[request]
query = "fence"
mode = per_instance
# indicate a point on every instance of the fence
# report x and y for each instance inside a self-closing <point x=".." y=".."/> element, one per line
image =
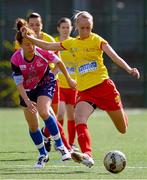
<point x="123" y="23"/>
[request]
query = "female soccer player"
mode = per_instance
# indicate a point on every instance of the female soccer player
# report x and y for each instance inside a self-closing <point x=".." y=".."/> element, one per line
<point x="35" y="83"/>
<point x="67" y="94"/>
<point x="95" y="88"/>
<point x="34" y="21"/>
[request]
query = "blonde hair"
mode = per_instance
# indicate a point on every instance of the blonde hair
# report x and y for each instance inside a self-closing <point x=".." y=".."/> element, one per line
<point x="83" y="14"/>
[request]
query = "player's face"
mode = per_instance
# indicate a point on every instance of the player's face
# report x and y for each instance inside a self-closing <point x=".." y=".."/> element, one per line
<point x="35" y="24"/>
<point x="65" y="29"/>
<point x="28" y="47"/>
<point x="84" y="27"/>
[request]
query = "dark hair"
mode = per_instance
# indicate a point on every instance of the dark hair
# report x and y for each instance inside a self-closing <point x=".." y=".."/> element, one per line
<point x="21" y="23"/>
<point x="34" y="15"/>
<point x="63" y="20"/>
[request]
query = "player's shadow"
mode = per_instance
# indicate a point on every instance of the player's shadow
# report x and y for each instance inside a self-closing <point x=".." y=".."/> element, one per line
<point x="18" y="152"/>
<point x="53" y="172"/>
<point x="17" y="159"/>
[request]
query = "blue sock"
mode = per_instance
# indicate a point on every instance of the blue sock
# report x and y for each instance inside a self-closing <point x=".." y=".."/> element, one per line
<point x="53" y="129"/>
<point x="38" y="141"/>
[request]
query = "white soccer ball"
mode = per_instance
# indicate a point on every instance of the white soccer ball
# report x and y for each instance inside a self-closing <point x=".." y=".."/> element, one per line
<point x="115" y="161"/>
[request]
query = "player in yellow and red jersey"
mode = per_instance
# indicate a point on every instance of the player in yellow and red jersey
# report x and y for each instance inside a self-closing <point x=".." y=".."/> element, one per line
<point x="67" y="95"/>
<point x="95" y="88"/>
<point x="34" y="21"/>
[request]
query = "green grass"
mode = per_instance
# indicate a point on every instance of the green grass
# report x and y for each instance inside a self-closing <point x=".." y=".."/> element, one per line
<point x="18" y="154"/>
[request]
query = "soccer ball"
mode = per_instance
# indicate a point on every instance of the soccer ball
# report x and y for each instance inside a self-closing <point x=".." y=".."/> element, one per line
<point x="115" y="161"/>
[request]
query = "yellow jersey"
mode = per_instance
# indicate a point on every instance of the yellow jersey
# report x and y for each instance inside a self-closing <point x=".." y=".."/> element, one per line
<point x="88" y="58"/>
<point x="68" y="60"/>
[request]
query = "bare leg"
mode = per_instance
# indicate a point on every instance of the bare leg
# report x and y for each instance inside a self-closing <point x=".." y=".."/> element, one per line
<point x="32" y="119"/>
<point x="119" y="119"/>
<point x="82" y="112"/>
<point x="61" y="112"/>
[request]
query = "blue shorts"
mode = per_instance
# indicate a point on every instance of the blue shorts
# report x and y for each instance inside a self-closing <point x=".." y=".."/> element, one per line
<point x="44" y="88"/>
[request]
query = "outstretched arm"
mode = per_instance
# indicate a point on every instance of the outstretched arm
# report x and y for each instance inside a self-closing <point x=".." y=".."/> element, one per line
<point x="119" y="61"/>
<point x="54" y="46"/>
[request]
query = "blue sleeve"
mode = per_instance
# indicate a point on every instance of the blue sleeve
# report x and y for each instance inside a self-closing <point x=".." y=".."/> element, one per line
<point x="16" y="74"/>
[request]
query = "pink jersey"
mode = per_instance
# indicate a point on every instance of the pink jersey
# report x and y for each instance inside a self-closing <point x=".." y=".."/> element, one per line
<point x="34" y="70"/>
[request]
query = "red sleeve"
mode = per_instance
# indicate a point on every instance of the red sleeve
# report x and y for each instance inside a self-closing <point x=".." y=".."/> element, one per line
<point x="62" y="46"/>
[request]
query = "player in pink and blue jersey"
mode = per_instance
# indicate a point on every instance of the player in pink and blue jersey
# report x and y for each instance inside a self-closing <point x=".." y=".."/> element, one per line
<point x="35" y="83"/>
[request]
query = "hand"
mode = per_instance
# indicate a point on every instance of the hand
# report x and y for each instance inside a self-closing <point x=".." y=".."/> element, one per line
<point x="72" y="83"/>
<point x="134" y="72"/>
<point x="31" y="106"/>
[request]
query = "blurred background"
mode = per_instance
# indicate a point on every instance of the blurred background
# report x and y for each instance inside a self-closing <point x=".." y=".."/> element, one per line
<point x="123" y="23"/>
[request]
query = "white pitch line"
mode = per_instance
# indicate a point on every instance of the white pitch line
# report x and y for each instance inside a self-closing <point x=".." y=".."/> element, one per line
<point x="63" y="166"/>
<point x="53" y="166"/>
<point x="140" y="167"/>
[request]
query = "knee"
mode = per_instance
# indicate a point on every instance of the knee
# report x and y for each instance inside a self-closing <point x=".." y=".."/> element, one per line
<point x="123" y="130"/>
<point x="80" y="119"/>
<point x="44" y="114"/>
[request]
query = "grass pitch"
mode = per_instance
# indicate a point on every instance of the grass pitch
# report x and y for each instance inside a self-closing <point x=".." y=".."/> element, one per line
<point x="18" y="154"/>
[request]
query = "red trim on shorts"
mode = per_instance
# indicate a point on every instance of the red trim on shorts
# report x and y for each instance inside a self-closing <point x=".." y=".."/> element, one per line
<point x="62" y="46"/>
